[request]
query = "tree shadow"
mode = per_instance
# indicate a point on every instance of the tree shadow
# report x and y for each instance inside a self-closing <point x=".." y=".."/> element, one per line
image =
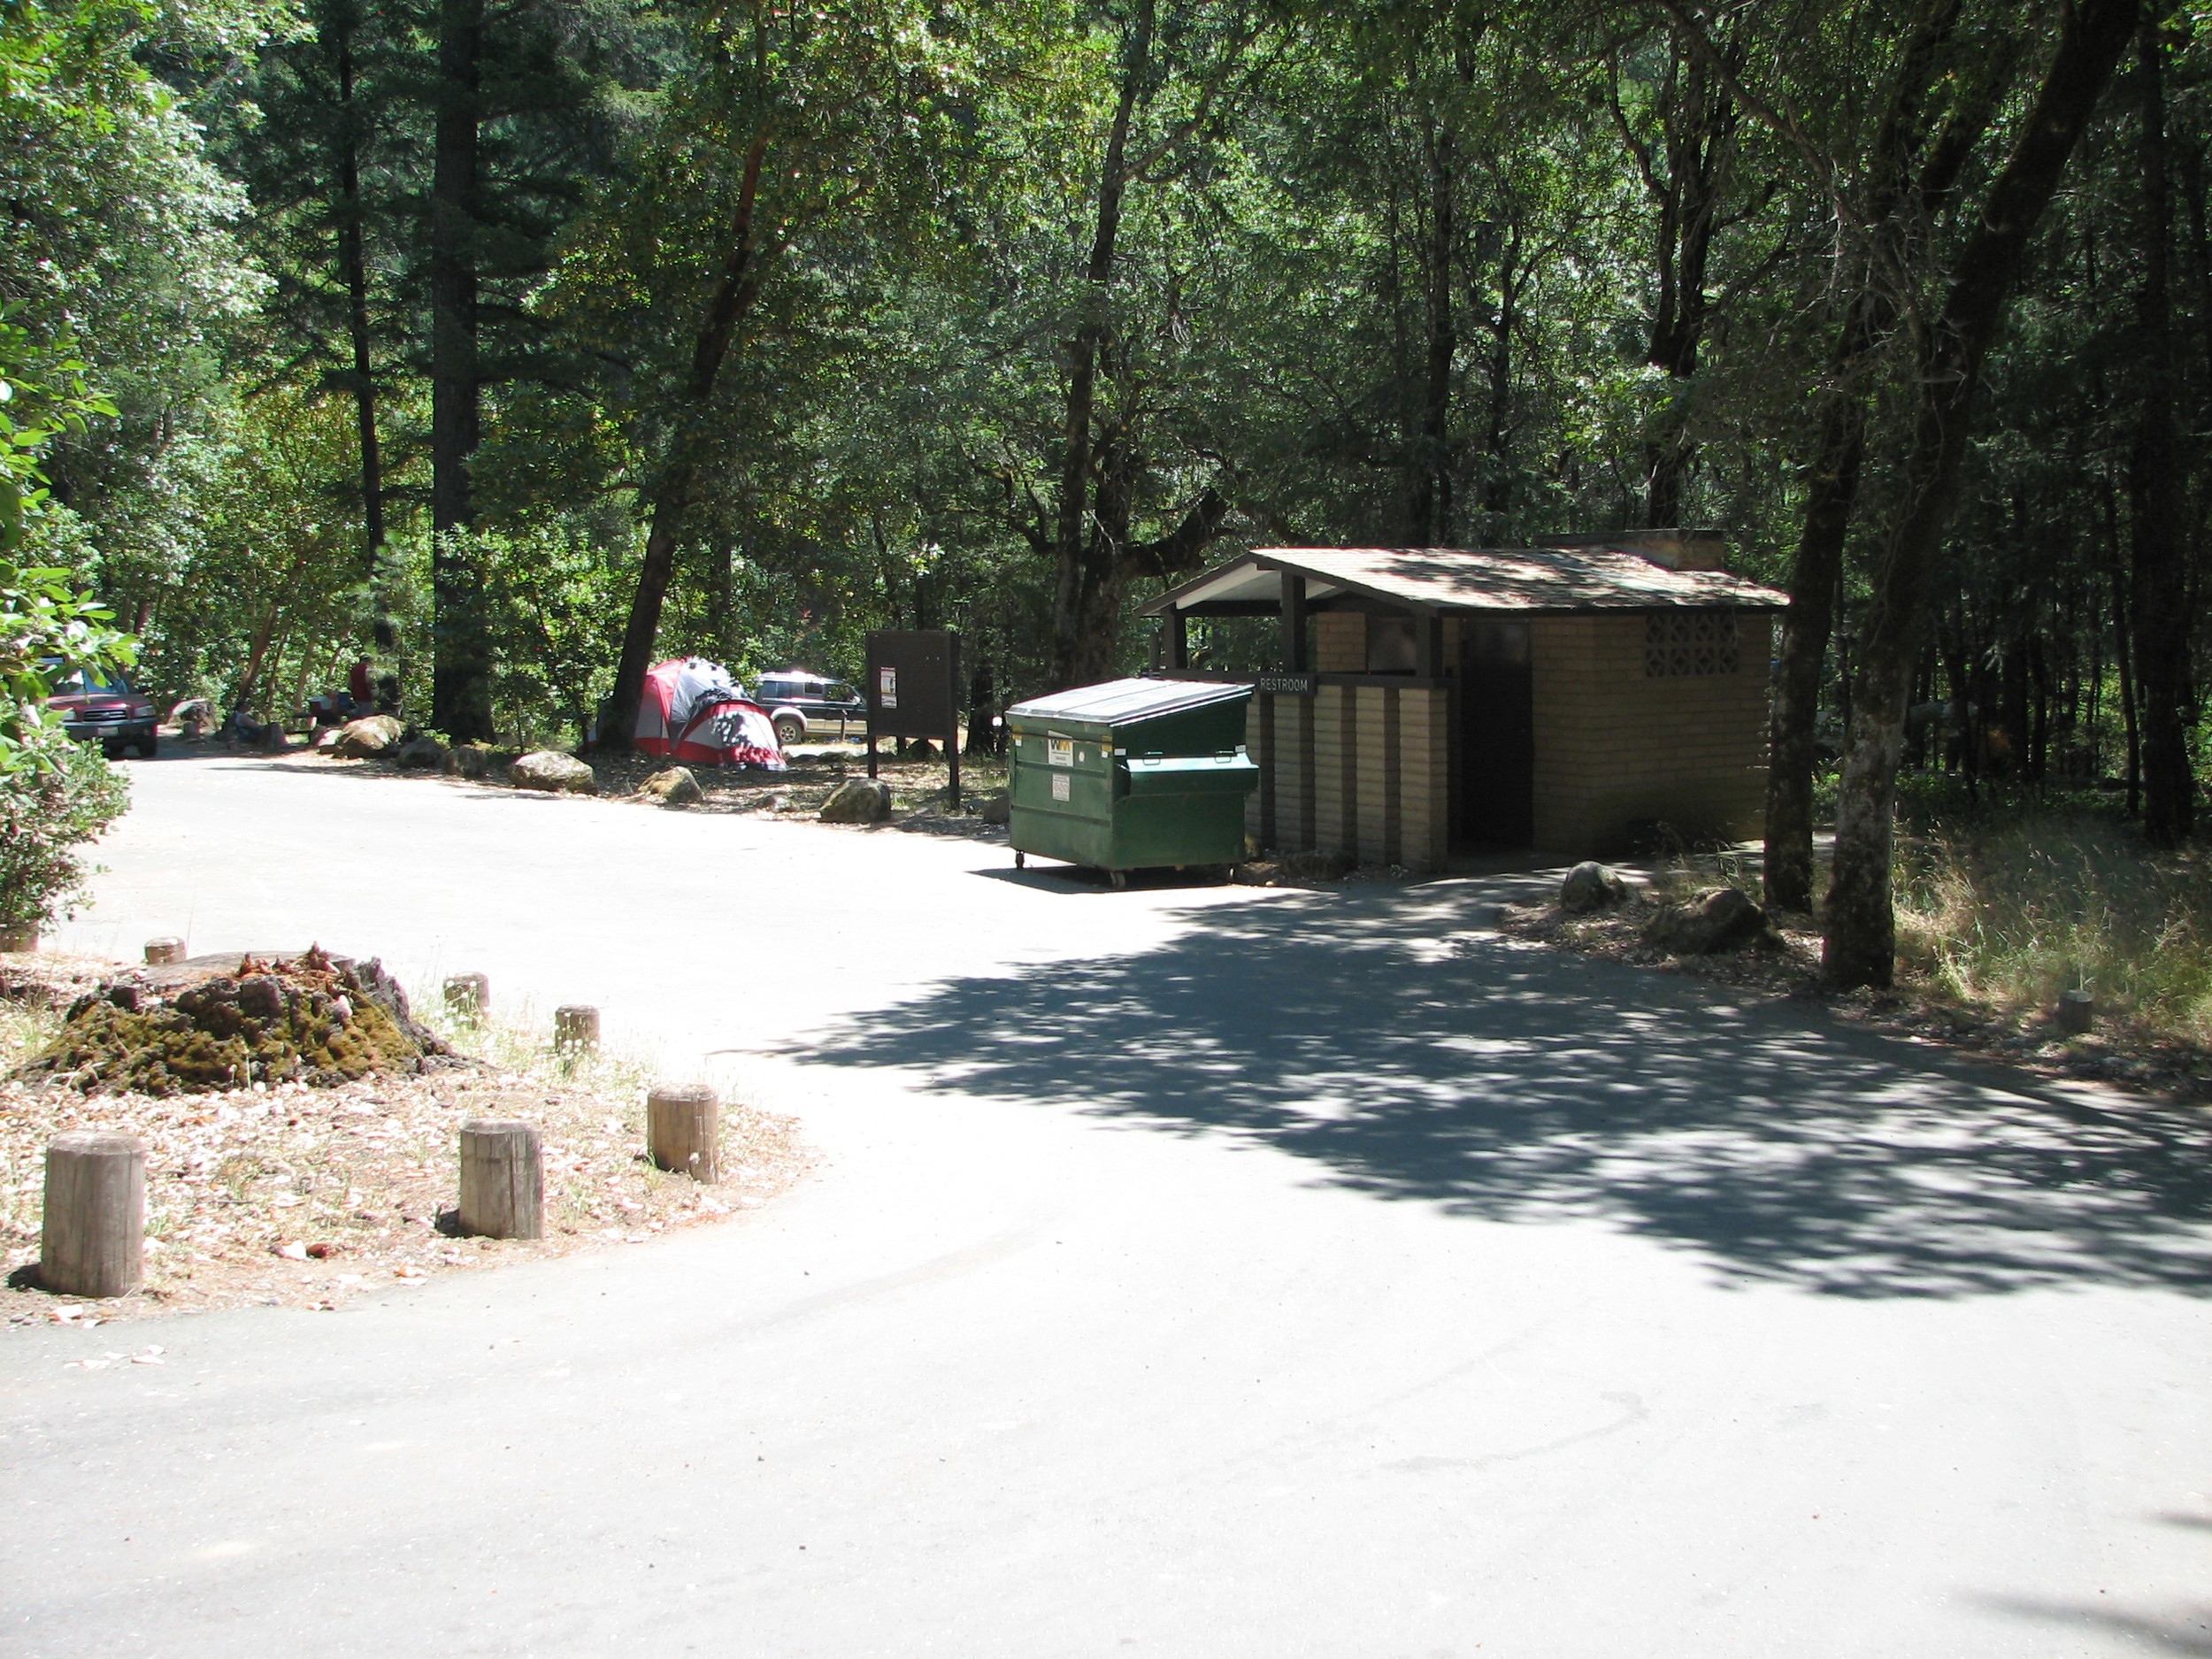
<point x="2189" y="1633"/>
<point x="1404" y="1056"/>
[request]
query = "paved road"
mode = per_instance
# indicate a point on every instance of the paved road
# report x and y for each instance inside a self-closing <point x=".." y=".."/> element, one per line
<point x="1205" y="1273"/>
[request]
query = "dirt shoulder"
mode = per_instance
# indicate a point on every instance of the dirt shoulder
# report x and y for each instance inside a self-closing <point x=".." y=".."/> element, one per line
<point x="918" y="786"/>
<point x="289" y="1195"/>
<point x="2117" y="1052"/>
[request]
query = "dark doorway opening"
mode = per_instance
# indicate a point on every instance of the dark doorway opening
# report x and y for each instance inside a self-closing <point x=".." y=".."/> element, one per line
<point x="1495" y="804"/>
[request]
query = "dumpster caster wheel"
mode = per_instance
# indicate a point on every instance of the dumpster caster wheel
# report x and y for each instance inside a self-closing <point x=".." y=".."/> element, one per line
<point x="1120" y="879"/>
<point x="1021" y="861"/>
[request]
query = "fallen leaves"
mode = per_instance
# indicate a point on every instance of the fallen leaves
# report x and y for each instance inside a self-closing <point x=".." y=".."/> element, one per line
<point x="253" y="1195"/>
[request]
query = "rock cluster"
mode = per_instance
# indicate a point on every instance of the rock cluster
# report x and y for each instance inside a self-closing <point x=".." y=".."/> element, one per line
<point x="224" y="1022"/>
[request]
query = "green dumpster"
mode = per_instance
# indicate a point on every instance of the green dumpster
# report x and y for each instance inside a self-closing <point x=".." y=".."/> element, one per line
<point x="1129" y="775"/>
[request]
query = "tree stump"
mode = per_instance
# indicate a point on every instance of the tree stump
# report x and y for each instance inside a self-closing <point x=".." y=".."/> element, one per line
<point x="576" y="1029"/>
<point x="164" y="950"/>
<point x="682" y="1131"/>
<point x="94" y="1239"/>
<point x="467" y="996"/>
<point x="18" y="936"/>
<point x="2076" y="1013"/>
<point x="502" y="1179"/>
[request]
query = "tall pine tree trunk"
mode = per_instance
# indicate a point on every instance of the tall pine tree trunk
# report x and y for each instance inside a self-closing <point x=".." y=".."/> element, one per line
<point x="461" y="677"/>
<point x="1701" y="120"/>
<point x="1831" y="483"/>
<point x="2160" y="575"/>
<point x="1072" y="572"/>
<point x="340" y="23"/>
<point x="1862" y="937"/>
<point x="1429" y="448"/>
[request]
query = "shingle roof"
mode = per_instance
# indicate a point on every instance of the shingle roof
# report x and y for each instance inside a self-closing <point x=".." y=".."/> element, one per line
<point x="1475" y="579"/>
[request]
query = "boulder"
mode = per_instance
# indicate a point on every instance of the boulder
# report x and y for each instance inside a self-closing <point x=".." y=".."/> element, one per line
<point x="374" y="737"/>
<point x="425" y="751"/>
<point x="858" y="800"/>
<point x="473" y="760"/>
<point x="325" y="739"/>
<point x="550" y="769"/>
<point x="1591" y="886"/>
<point x="675" y="787"/>
<point x="998" y="809"/>
<point x="1717" y="919"/>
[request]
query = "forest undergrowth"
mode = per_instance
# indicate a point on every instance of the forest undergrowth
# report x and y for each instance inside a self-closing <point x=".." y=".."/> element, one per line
<point x="2005" y="897"/>
<point x="2009" y="900"/>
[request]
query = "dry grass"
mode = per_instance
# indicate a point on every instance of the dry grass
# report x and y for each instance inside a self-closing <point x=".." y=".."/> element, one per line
<point x="1995" y="916"/>
<point x="2009" y="914"/>
<point x="289" y="1194"/>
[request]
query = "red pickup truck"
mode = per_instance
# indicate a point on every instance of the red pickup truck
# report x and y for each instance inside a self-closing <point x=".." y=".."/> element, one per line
<point x="104" y="707"/>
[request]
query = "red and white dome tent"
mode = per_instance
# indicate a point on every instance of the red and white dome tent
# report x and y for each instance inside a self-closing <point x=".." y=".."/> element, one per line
<point x="693" y="712"/>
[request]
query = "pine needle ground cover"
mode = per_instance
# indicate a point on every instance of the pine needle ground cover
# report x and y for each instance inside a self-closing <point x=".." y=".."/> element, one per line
<point x="285" y="1193"/>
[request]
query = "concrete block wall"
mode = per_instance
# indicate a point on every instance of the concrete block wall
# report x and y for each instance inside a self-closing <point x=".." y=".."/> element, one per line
<point x="1616" y="744"/>
<point x="1360" y="770"/>
<point x="1340" y="642"/>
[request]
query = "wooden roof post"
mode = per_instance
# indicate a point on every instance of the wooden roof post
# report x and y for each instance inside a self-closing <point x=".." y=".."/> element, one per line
<point x="1428" y="635"/>
<point x="1178" y="640"/>
<point x="1293" y="623"/>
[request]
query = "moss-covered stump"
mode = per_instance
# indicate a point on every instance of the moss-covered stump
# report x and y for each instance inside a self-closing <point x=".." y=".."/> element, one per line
<point x="227" y="1021"/>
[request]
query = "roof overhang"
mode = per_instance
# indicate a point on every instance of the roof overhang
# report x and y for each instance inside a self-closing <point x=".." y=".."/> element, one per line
<point x="1252" y="585"/>
<point x="1434" y="582"/>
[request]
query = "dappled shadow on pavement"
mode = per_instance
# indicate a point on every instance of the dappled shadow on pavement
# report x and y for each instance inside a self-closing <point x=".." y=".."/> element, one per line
<point x="1405" y="1055"/>
<point x="2189" y="1633"/>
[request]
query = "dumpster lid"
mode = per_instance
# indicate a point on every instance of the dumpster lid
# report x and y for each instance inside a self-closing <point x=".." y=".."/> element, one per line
<point x="1118" y="702"/>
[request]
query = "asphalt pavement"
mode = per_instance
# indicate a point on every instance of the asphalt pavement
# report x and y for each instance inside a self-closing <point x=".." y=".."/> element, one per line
<point x="1197" y="1271"/>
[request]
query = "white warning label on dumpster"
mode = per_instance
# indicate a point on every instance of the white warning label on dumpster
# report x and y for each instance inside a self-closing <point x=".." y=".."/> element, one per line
<point x="1060" y="752"/>
<point x="1059" y="785"/>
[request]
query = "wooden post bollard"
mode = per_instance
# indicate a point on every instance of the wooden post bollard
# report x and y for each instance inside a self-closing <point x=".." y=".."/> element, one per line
<point x="467" y="997"/>
<point x="93" y="1243"/>
<point x="683" y="1129"/>
<point x="164" y="949"/>
<point x="502" y="1179"/>
<point x="576" y="1029"/>
<point x="2076" y="1013"/>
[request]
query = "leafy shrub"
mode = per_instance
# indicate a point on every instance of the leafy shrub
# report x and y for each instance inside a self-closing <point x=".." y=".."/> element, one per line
<point x="48" y="810"/>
